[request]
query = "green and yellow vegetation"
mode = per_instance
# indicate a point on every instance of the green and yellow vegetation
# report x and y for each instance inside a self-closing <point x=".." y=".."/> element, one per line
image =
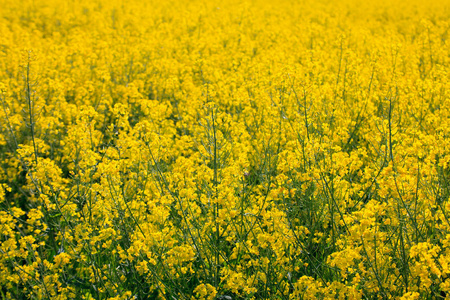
<point x="224" y="149"/>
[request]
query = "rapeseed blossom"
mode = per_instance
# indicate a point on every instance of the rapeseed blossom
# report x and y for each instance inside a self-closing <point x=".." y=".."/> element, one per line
<point x="224" y="149"/>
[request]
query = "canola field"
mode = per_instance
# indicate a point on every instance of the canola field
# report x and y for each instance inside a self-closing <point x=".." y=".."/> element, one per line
<point x="225" y="149"/>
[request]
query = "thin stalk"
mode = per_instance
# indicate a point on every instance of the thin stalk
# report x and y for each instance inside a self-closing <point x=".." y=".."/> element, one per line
<point x="31" y="106"/>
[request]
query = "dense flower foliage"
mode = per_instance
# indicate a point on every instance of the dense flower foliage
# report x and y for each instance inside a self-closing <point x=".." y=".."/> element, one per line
<point x="224" y="149"/>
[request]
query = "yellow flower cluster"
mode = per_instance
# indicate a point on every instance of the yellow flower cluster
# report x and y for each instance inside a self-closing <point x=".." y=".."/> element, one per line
<point x="224" y="149"/>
